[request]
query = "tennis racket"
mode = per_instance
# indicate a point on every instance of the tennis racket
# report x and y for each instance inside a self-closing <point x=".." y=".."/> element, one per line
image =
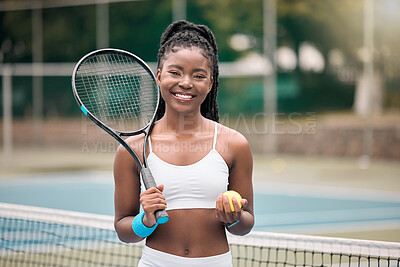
<point x="118" y="92"/>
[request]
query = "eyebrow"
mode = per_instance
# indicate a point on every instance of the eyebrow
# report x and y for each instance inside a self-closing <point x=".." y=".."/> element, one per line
<point x="181" y="68"/>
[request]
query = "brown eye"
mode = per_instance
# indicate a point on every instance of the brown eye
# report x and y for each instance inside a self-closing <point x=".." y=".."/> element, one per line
<point x="199" y="76"/>
<point x="175" y="73"/>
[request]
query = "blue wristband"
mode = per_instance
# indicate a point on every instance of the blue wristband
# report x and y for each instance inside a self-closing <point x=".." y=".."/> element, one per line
<point x="232" y="224"/>
<point x="139" y="228"/>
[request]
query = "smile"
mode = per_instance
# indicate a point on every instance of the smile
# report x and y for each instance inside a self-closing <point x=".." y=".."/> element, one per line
<point x="183" y="96"/>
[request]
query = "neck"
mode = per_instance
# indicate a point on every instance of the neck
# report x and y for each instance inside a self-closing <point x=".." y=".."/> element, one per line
<point x="183" y="123"/>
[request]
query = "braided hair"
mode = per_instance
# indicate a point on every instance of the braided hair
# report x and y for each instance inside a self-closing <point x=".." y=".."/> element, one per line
<point x="184" y="34"/>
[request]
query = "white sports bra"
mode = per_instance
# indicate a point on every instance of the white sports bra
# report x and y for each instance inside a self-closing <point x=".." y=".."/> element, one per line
<point x="194" y="186"/>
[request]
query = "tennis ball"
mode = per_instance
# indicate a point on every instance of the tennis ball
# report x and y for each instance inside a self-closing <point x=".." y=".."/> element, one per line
<point x="235" y="194"/>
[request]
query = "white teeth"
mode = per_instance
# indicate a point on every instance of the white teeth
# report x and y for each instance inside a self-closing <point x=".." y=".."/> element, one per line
<point x="184" y="96"/>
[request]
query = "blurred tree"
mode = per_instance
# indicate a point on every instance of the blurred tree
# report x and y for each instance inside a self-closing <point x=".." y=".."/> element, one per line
<point x="229" y="17"/>
<point x="15" y="36"/>
<point x="137" y="26"/>
<point x="334" y="27"/>
<point x="68" y="33"/>
<point x="298" y="22"/>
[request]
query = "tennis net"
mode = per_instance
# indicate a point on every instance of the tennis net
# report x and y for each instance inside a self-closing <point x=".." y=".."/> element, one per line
<point x="32" y="236"/>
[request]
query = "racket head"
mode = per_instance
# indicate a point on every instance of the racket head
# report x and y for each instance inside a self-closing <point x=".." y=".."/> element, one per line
<point x="116" y="89"/>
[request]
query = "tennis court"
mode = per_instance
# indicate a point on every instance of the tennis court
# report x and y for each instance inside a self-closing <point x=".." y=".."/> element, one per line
<point x="46" y="237"/>
<point x="310" y="204"/>
<point x="278" y="207"/>
<point x="33" y="236"/>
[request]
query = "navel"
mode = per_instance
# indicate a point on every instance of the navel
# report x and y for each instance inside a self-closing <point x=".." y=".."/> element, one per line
<point x="187" y="251"/>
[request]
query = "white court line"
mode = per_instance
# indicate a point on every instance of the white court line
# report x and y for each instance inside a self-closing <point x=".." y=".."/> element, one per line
<point x="328" y="221"/>
<point x="97" y="177"/>
<point x="329" y="216"/>
<point x="332" y="228"/>
<point x="324" y="191"/>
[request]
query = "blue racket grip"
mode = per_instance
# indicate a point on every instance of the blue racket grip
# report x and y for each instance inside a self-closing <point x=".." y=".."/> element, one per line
<point x="148" y="180"/>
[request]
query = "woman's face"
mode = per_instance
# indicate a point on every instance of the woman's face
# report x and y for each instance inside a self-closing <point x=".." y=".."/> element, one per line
<point x="185" y="79"/>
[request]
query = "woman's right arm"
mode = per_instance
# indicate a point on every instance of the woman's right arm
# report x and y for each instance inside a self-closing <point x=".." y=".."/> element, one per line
<point x="126" y="195"/>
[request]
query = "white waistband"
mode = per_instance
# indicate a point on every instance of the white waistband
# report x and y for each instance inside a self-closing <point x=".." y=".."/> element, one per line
<point x="155" y="258"/>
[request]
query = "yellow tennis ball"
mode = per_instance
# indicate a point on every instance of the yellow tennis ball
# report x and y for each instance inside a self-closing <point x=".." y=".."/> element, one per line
<point x="235" y="194"/>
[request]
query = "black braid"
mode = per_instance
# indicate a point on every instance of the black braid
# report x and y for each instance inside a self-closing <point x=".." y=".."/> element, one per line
<point x="185" y="34"/>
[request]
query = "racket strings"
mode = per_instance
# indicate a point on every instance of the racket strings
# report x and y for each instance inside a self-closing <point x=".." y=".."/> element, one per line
<point x="117" y="90"/>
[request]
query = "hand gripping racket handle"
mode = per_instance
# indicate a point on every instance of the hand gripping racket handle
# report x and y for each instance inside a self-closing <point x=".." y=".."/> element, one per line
<point x="148" y="180"/>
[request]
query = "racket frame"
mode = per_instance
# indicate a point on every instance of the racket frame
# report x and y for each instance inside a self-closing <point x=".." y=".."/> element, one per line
<point x="161" y="215"/>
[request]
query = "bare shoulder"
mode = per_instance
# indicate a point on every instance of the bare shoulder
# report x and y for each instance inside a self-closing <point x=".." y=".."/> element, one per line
<point x="136" y="143"/>
<point x="123" y="159"/>
<point x="232" y="145"/>
<point x="233" y="138"/>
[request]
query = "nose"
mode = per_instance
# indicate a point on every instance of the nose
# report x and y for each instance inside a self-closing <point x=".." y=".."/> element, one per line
<point x="186" y="82"/>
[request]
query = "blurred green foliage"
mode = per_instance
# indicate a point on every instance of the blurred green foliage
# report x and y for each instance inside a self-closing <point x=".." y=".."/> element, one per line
<point x="69" y="33"/>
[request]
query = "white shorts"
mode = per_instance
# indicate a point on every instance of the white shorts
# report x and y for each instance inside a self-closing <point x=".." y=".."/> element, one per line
<point x="155" y="258"/>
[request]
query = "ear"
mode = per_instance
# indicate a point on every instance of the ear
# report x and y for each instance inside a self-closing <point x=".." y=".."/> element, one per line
<point x="158" y="77"/>
<point x="211" y="84"/>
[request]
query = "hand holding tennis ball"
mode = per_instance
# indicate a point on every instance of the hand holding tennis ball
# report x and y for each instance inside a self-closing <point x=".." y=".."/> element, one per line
<point x="235" y="194"/>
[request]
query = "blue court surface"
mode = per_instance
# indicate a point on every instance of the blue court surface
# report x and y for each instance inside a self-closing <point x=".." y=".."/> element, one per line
<point x="278" y="207"/>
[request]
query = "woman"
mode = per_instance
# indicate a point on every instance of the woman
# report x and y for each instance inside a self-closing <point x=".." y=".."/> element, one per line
<point x="193" y="160"/>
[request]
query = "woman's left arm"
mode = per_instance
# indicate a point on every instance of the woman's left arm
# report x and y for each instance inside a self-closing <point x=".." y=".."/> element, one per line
<point x="241" y="221"/>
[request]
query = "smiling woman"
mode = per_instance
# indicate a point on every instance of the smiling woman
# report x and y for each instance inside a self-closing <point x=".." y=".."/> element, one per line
<point x="185" y="79"/>
<point x="191" y="182"/>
